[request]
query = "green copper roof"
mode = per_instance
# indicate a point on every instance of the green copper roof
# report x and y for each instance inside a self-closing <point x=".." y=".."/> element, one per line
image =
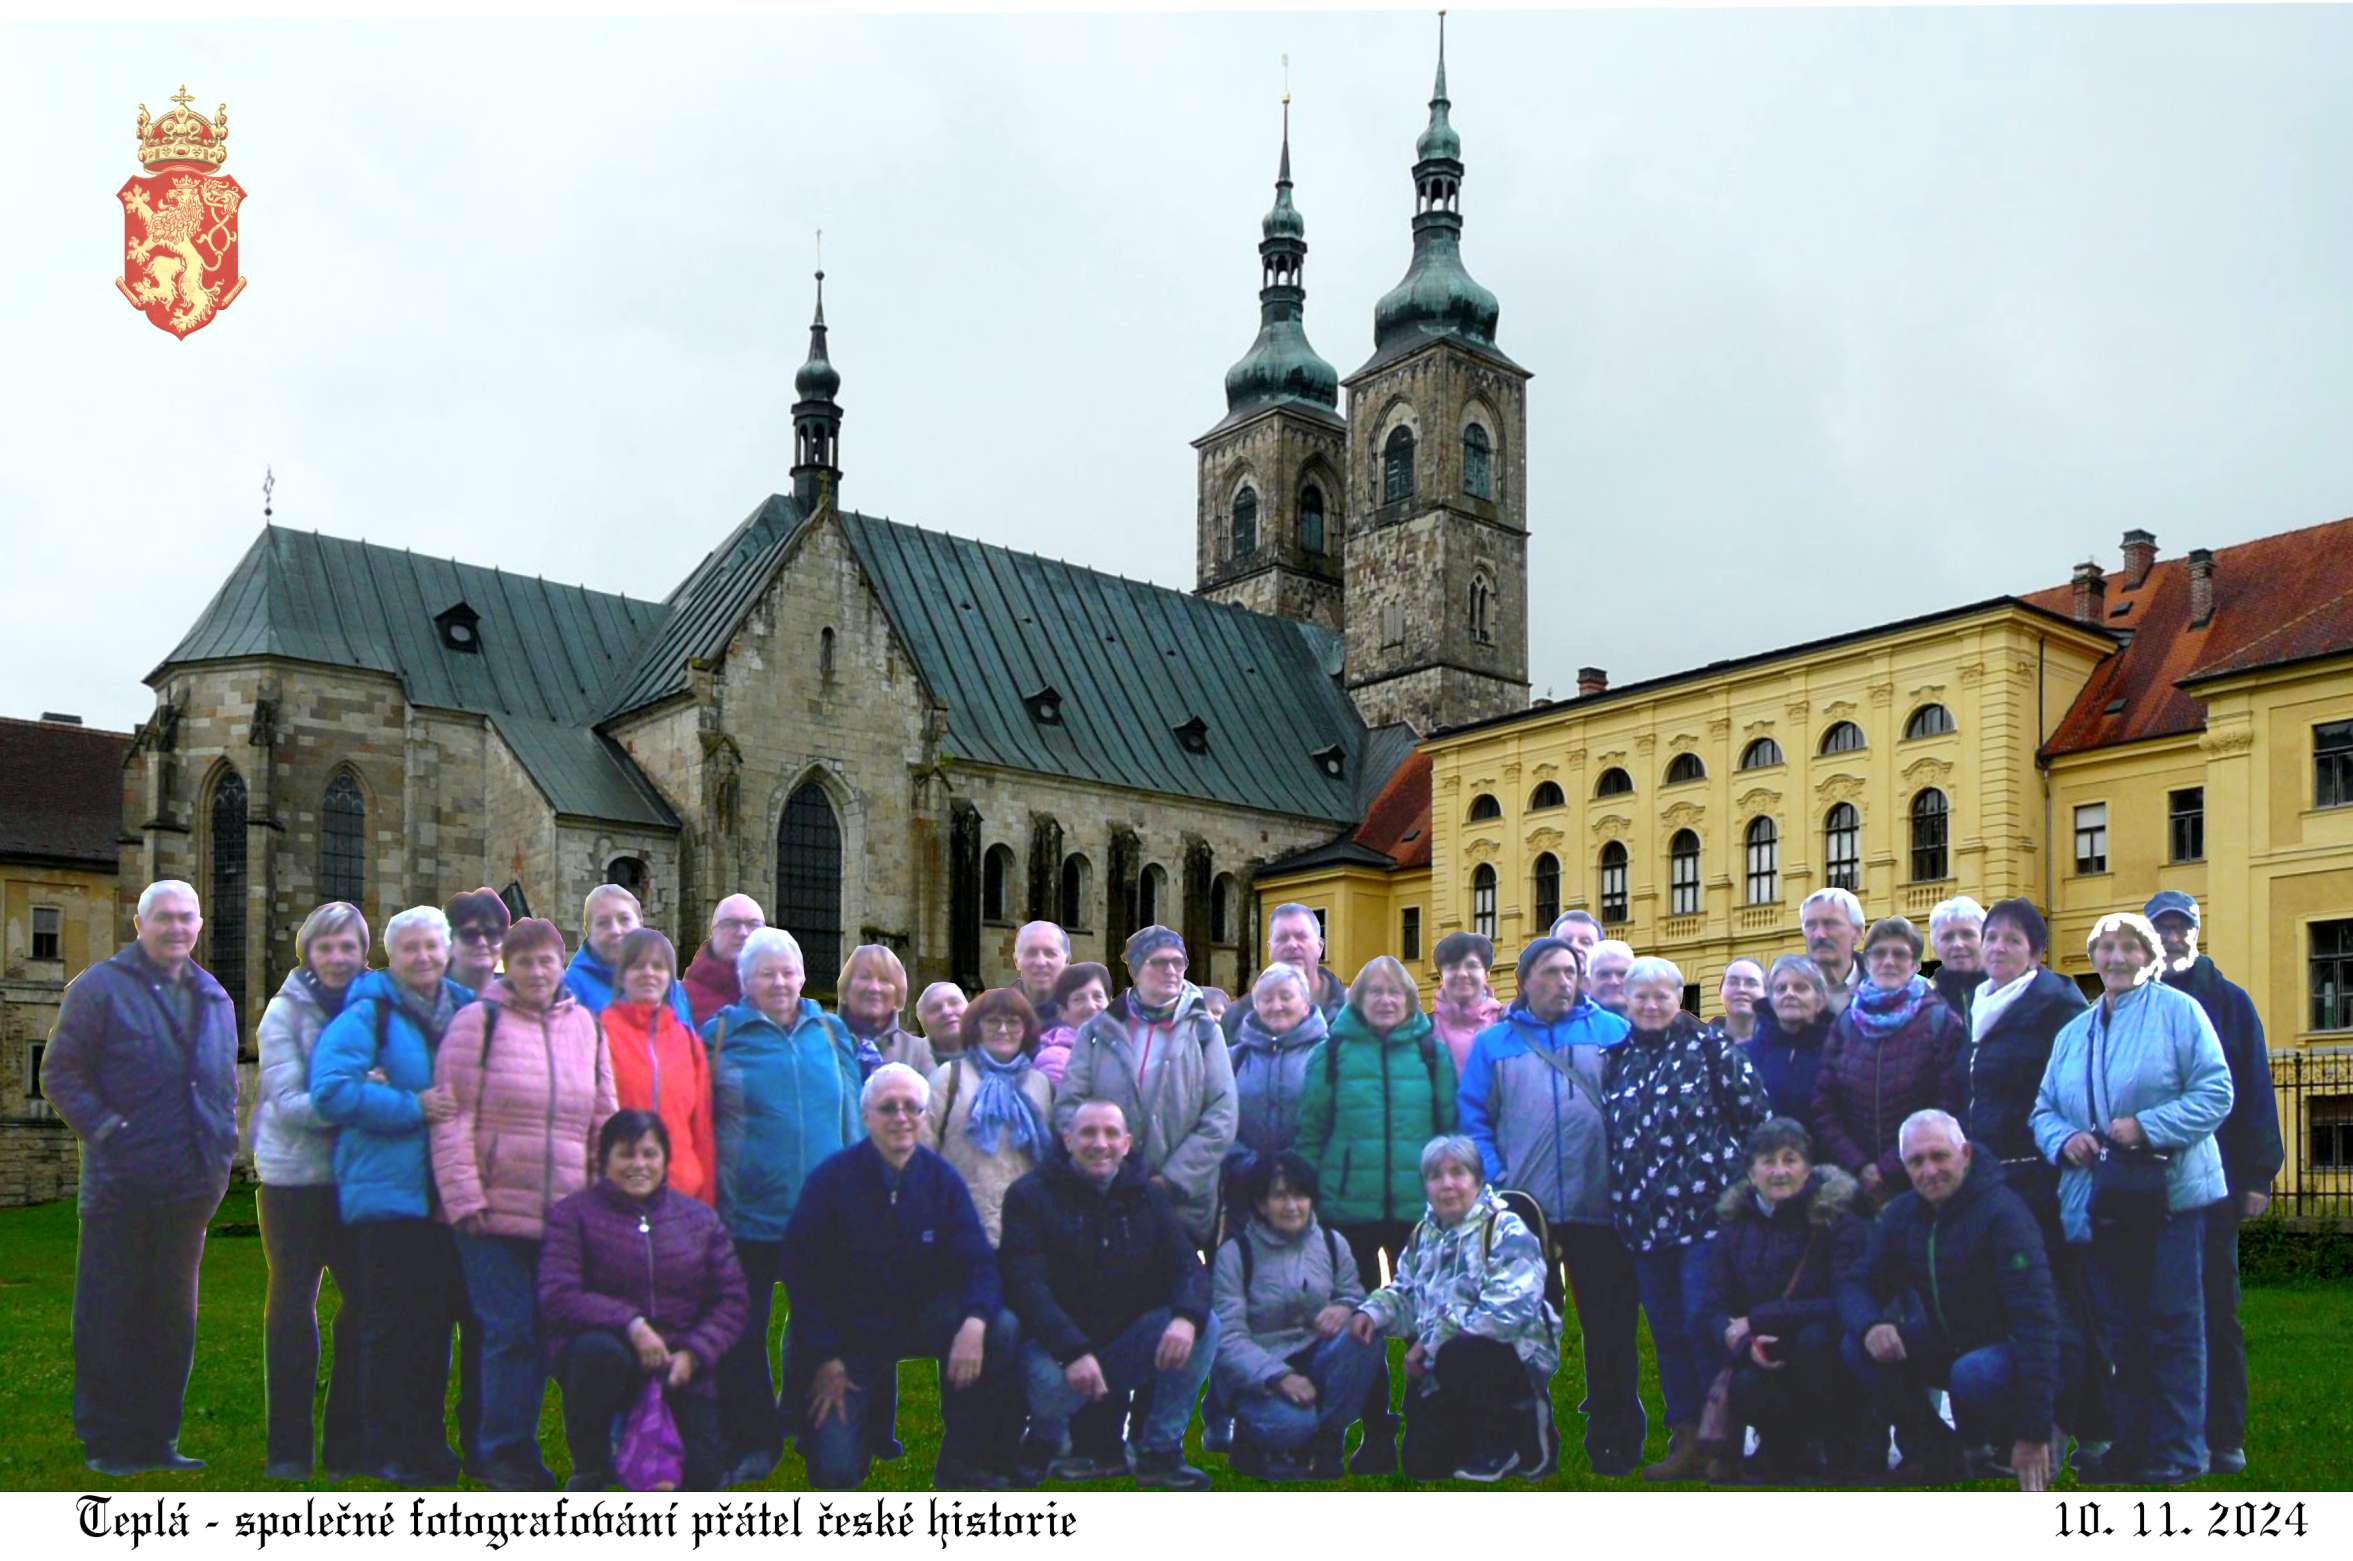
<point x="544" y="653"/>
<point x="1281" y="369"/>
<point x="818" y="379"/>
<point x="701" y="615"/>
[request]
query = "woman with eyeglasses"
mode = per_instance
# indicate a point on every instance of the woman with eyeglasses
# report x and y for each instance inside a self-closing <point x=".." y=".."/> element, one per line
<point x="1886" y="1058"/>
<point x="990" y="1106"/>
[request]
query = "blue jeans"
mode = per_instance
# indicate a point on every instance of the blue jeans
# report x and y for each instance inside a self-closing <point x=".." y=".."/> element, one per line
<point x="2150" y="1295"/>
<point x="502" y="1284"/>
<point x="1127" y="1363"/>
<point x="1659" y="1276"/>
<point x="1981" y="1383"/>
<point x="982" y="1421"/>
<point x="1343" y="1372"/>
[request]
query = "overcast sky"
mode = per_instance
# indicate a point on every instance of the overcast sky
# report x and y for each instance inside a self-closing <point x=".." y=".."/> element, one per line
<point x="1834" y="316"/>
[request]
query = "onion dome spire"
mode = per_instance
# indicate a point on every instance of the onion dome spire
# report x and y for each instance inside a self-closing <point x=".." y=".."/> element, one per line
<point x="1437" y="296"/>
<point x="817" y="420"/>
<point x="1280" y="366"/>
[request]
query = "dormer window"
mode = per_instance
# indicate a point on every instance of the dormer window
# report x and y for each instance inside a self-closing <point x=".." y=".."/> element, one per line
<point x="1193" y="736"/>
<point x="1045" y="705"/>
<point x="461" y="629"/>
<point x="1332" y="760"/>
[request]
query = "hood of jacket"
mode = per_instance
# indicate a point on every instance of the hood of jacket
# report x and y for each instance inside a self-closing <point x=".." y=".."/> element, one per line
<point x="742" y="1017"/>
<point x="1773" y="1030"/>
<point x="1556" y="1032"/>
<point x="501" y="993"/>
<point x="1251" y="1036"/>
<point x="1127" y="1183"/>
<point x="379" y="985"/>
<point x="1828" y="1193"/>
<point x="1682" y="1027"/>
<point x="1349" y="1025"/>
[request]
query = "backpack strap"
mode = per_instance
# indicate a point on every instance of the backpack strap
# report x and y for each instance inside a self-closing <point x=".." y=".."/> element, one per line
<point x="955" y="1080"/>
<point x="1241" y="1245"/>
<point x="1428" y="1046"/>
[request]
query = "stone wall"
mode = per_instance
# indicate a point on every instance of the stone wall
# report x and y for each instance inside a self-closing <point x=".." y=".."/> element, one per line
<point x="1278" y="455"/>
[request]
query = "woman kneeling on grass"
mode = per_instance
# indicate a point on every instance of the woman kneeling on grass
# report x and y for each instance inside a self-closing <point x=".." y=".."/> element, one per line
<point x="638" y="1279"/>
<point x="1469" y="1292"/>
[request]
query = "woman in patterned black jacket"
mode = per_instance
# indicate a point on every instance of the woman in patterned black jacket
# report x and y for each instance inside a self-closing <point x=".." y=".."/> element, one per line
<point x="1680" y="1102"/>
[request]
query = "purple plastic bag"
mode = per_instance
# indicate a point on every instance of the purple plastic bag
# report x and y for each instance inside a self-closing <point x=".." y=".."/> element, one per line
<point x="652" y="1458"/>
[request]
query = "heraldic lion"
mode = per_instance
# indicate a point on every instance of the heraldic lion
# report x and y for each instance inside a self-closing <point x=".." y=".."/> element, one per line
<point x="194" y="214"/>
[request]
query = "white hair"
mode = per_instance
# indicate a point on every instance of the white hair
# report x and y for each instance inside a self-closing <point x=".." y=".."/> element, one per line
<point x="1452" y="1149"/>
<point x="1942" y="1121"/>
<point x="1655" y="967"/>
<point x="2140" y="927"/>
<point x="1279" y="972"/>
<point x="893" y="1073"/>
<point x="1288" y="911"/>
<point x="1842" y="898"/>
<point x="1060" y="937"/>
<point x="1959" y="908"/>
<point x="1615" y="946"/>
<point x="767" y="943"/>
<point x="425" y="918"/>
<point x="163" y="886"/>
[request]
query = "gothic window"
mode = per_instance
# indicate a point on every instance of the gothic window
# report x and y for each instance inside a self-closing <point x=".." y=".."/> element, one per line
<point x="224" y="904"/>
<point x="996" y="884"/>
<point x="1683" y="874"/>
<point x="1224" y="924"/>
<point x="1762" y="754"/>
<point x="1478" y="463"/>
<point x="1929" y="721"/>
<point x="1844" y="737"/>
<point x="825" y="653"/>
<point x="1685" y="767"/>
<point x="1071" y="904"/>
<point x="1764" y="862"/>
<point x="1547" y="894"/>
<point x="1245" y="522"/>
<point x="1397" y="466"/>
<point x="1483" y="900"/>
<point x="1152" y="896"/>
<point x="1842" y="848"/>
<point x="1392" y="624"/>
<point x="1484" y="805"/>
<point x="1930" y="819"/>
<point x="1613" y="883"/>
<point x="1546" y="795"/>
<point x="1311" y="518"/>
<point x="1482" y="594"/>
<point x="809" y="879"/>
<point x="1614" y="782"/>
<point x="343" y="833"/>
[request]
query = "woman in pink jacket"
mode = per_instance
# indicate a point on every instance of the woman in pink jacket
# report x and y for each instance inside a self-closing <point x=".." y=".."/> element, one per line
<point x="532" y="1084"/>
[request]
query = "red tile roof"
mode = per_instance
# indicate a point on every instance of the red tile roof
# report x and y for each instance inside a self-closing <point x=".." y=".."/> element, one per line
<point x="1398" y="823"/>
<point x="61" y="792"/>
<point x="2277" y="598"/>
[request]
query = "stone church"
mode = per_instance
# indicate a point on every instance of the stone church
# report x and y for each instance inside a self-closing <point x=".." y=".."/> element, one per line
<point x="884" y="733"/>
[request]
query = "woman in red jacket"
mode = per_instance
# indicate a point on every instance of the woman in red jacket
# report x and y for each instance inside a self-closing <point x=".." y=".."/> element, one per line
<point x="659" y="1064"/>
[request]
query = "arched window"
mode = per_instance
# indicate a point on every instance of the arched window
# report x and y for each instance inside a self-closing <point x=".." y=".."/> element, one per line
<point x="1482" y="594"/>
<point x="630" y="873"/>
<point x="809" y="879"/>
<point x="1761" y="754"/>
<point x="1478" y="463"/>
<point x="1397" y="466"/>
<point x="825" y="653"/>
<point x="1223" y="898"/>
<point x="343" y="837"/>
<point x="1844" y="737"/>
<point x="1485" y="806"/>
<point x="1245" y="522"/>
<point x="1614" y="782"/>
<point x="1685" y="767"/>
<point x="1764" y="862"/>
<point x="224" y="900"/>
<point x="1842" y="848"/>
<point x="1071" y="904"/>
<point x="1613" y="883"/>
<point x="996" y="884"/>
<point x="1931" y="820"/>
<point x="1683" y="874"/>
<point x="1929" y="721"/>
<point x="1547" y="894"/>
<point x="1311" y="518"/>
<point x="1483" y="900"/>
<point x="1546" y="795"/>
<point x="1151" y="896"/>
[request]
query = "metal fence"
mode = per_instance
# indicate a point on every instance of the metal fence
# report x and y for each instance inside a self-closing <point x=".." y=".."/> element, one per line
<point x="2315" y="1090"/>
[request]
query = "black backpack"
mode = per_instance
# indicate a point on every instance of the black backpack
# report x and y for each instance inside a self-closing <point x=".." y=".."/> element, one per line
<point x="1332" y="1247"/>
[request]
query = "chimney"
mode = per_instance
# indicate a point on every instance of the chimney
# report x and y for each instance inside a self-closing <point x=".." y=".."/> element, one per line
<point x="55" y="719"/>
<point x="2091" y="593"/>
<point x="1592" y="680"/>
<point x="2201" y="586"/>
<point x="2140" y="556"/>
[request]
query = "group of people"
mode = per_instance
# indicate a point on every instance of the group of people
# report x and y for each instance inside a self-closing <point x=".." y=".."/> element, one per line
<point x="1854" y="1190"/>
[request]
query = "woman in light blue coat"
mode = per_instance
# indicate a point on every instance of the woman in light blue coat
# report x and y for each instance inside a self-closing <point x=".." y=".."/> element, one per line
<point x="2141" y="1072"/>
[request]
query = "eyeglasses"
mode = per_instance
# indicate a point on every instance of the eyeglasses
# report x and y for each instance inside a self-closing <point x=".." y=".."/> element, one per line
<point x="1173" y="963"/>
<point x="1002" y="1022"/>
<point x="745" y="924"/>
<point x="896" y="1108"/>
<point x="492" y="936"/>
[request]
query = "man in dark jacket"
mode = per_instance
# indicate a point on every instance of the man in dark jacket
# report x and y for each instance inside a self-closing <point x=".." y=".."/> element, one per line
<point x="885" y="1260"/>
<point x="1111" y="1296"/>
<point x="2251" y="1156"/>
<point x="1956" y="1293"/>
<point x="1295" y="938"/>
<point x="143" y="1067"/>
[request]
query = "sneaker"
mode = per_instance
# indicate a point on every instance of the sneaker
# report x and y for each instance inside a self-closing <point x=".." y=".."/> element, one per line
<point x="1611" y="1463"/>
<point x="1168" y="1471"/>
<point x="1074" y="1467"/>
<point x="1376" y="1456"/>
<point x="1541" y="1460"/>
<point x="286" y="1469"/>
<point x="1247" y="1459"/>
<point x="2227" y="1460"/>
<point x="117" y="1468"/>
<point x="957" y="1477"/>
<point x="2091" y="1462"/>
<point x="1217" y="1436"/>
<point x="1488" y="1466"/>
<point x="1287" y="1468"/>
<point x="1990" y="1463"/>
<point x="517" y="1474"/>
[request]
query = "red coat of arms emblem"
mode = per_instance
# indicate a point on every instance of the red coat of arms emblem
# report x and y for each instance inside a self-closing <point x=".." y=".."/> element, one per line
<point x="180" y="222"/>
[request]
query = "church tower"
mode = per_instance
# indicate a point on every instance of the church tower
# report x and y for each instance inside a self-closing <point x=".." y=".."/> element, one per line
<point x="1437" y="551"/>
<point x="817" y="420"/>
<point x="1271" y="474"/>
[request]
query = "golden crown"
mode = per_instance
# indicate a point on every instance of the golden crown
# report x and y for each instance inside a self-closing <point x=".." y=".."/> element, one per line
<point x="183" y="136"/>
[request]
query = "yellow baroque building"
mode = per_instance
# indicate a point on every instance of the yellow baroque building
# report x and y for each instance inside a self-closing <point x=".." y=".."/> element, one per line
<point x="2182" y="723"/>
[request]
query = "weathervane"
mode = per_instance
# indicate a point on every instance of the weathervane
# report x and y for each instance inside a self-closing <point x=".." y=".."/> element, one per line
<point x="269" y="478"/>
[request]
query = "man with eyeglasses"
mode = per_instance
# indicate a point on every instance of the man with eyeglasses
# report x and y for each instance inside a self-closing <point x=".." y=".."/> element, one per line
<point x="710" y="981"/>
<point x="886" y="1260"/>
<point x="478" y="921"/>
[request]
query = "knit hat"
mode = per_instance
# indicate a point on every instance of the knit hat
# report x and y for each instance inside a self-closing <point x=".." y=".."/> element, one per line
<point x="2171" y="902"/>
<point x="1456" y="947"/>
<point x="1534" y="954"/>
<point x="1148" y="941"/>
<point x="477" y="908"/>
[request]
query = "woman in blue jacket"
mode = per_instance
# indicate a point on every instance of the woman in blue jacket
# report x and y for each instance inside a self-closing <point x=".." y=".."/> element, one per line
<point x="784" y="1096"/>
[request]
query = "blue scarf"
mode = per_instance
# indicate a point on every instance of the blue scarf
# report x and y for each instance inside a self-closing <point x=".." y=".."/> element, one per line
<point x="999" y="1106"/>
<point x="1880" y="1014"/>
<point x="329" y="998"/>
<point x="1152" y="1013"/>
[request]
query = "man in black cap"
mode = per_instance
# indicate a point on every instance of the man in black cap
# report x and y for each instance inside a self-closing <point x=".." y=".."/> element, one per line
<point x="2252" y="1153"/>
<point x="478" y="922"/>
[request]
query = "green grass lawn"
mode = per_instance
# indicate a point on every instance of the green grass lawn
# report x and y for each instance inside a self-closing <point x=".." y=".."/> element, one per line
<point x="2301" y="1418"/>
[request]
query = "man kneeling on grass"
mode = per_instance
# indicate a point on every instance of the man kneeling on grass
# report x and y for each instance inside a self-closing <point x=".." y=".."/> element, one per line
<point x="1111" y="1297"/>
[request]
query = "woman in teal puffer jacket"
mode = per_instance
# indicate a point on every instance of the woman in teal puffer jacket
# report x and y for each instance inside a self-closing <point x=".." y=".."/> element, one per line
<point x="1378" y="1089"/>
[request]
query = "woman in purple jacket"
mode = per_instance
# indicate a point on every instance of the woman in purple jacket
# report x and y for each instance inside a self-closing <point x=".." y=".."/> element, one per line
<point x="637" y="1279"/>
<point x="1885" y="1059"/>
